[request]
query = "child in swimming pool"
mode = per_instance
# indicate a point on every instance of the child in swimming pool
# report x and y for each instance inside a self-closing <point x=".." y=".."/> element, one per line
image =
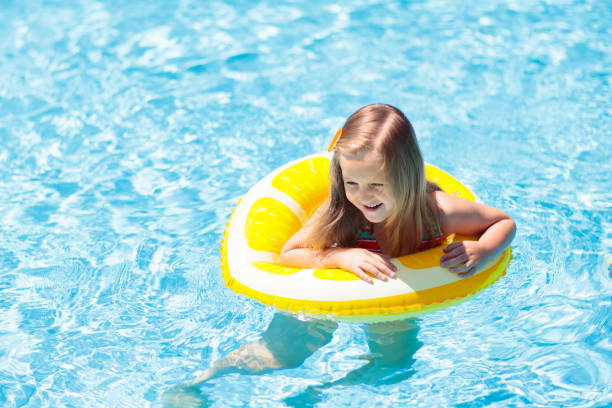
<point x="381" y="206"/>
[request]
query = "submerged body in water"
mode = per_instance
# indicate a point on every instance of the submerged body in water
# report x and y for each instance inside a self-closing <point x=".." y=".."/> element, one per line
<point x="289" y="341"/>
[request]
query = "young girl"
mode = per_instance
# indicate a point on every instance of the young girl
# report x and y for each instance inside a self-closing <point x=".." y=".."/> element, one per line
<point x="381" y="206"/>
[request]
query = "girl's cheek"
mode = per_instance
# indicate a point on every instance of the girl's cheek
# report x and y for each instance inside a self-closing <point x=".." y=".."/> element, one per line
<point x="350" y="196"/>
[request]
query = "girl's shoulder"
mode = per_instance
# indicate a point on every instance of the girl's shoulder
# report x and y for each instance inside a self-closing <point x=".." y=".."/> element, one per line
<point x="458" y="215"/>
<point x="440" y="198"/>
<point x="448" y="205"/>
<point x="452" y="211"/>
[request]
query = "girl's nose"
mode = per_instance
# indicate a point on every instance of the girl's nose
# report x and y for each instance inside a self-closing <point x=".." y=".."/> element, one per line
<point x="365" y="194"/>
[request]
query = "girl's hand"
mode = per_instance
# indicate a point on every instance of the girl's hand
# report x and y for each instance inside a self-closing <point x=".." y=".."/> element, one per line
<point x="464" y="258"/>
<point x="365" y="264"/>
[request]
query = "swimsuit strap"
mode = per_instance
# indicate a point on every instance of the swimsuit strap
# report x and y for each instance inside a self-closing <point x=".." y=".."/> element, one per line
<point x="430" y="241"/>
<point x="366" y="239"/>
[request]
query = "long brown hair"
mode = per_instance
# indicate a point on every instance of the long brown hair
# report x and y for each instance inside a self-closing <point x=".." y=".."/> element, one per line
<point x="384" y="129"/>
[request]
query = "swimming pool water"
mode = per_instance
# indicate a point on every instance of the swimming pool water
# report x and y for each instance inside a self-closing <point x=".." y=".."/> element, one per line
<point x="128" y="132"/>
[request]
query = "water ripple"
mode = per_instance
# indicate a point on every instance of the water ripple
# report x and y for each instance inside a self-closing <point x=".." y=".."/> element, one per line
<point x="128" y="132"/>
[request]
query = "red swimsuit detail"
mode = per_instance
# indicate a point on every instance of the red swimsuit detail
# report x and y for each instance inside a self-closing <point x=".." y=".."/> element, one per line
<point x="366" y="240"/>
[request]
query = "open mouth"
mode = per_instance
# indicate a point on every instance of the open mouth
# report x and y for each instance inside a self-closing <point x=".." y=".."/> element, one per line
<point x="372" y="207"/>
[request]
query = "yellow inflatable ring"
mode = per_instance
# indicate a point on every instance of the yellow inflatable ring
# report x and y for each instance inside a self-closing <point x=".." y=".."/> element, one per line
<point x="277" y="206"/>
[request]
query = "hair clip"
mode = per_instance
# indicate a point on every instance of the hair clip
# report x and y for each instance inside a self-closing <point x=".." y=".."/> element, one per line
<point x="334" y="140"/>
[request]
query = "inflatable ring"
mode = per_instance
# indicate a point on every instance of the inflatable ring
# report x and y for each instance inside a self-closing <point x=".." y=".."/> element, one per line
<point x="277" y="206"/>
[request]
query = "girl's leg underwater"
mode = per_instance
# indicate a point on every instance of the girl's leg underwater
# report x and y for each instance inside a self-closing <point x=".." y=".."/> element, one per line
<point x="286" y="343"/>
<point x="250" y="358"/>
<point x="392" y="348"/>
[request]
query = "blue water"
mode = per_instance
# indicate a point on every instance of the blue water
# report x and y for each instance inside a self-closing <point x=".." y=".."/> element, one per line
<point x="129" y="130"/>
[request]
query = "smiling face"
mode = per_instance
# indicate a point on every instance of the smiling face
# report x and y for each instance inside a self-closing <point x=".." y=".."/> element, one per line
<point x="366" y="187"/>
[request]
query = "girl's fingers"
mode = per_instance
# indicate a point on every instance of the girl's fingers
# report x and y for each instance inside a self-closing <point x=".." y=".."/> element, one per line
<point x="388" y="269"/>
<point x="468" y="273"/>
<point x="375" y="265"/>
<point x="461" y="268"/>
<point x="386" y="260"/>
<point x="453" y="254"/>
<point x="383" y="264"/>
<point x="452" y="261"/>
<point x="364" y="276"/>
<point x="376" y="270"/>
<point x="452" y="246"/>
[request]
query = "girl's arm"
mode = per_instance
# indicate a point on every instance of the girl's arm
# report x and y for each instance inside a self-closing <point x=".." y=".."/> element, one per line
<point x="461" y="216"/>
<point x="361" y="262"/>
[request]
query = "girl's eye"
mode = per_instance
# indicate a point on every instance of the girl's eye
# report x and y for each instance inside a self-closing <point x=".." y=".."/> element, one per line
<point x="350" y="183"/>
<point x="377" y="185"/>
